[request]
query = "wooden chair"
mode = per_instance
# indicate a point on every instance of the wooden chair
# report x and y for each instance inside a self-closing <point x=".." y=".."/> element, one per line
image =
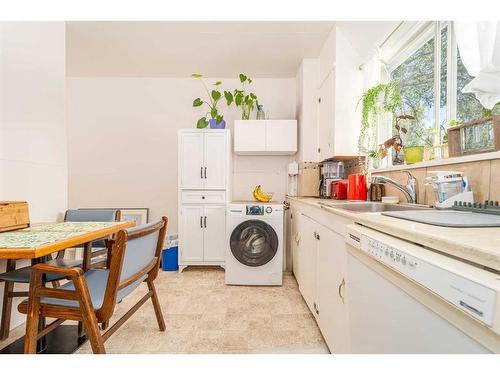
<point x="91" y="296"/>
<point x="99" y="248"/>
<point x="23" y="275"/>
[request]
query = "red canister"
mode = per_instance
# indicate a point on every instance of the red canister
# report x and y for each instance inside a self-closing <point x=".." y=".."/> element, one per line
<point x="356" y="187"/>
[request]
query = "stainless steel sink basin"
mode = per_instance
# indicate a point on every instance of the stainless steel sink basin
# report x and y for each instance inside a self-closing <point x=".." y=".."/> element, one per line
<point x="376" y="206"/>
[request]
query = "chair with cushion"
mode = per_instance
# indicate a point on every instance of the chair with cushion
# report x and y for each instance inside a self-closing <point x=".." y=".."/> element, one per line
<point x="94" y="259"/>
<point x="23" y="275"/>
<point x="91" y="296"/>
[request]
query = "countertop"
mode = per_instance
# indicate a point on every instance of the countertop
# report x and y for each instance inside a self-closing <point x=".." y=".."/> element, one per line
<point x="478" y="245"/>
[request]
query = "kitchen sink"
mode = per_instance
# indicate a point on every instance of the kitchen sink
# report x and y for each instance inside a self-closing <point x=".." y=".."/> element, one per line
<point x="376" y="206"/>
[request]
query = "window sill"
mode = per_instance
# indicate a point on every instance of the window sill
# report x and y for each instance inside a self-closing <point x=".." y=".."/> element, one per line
<point x="437" y="162"/>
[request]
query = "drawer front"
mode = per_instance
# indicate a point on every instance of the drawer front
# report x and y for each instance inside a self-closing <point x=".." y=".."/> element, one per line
<point x="198" y="197"/>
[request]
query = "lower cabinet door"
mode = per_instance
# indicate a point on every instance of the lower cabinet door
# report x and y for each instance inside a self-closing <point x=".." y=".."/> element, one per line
<point x="214" y="223"/>
<point x="191" y="234"/>
<point x="307" y="252"/>
<point x="333" y="318"/>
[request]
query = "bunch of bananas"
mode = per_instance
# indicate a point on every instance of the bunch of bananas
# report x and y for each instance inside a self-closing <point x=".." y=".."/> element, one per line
<point x="259" y="195"/>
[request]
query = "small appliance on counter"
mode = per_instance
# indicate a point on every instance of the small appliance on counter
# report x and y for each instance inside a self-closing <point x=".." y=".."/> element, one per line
<point x="331" y="171"/>
<point x="338" y="189"/>
<point x="356" y="187"/>
<point x="449" y="187"/>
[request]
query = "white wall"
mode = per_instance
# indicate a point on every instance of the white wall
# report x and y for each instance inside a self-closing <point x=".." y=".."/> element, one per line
<point x="33" y="163"/>
<point x="122" y="148"/>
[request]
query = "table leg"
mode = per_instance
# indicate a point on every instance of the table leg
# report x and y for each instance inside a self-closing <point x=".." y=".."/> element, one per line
<point x="87" y="252"/>
<point x="41" y="344"/>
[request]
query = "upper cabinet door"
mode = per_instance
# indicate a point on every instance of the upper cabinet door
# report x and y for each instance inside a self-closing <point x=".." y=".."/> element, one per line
<point x="326" y="117"/>
<point x="281" y="136"/>
<point x="215" y="155"/>
<point x="214" y="222"/>
<point x="250" y="137"/>
<point x="191" y="160"/>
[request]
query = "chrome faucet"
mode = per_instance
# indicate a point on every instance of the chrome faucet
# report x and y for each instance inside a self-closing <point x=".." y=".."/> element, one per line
<point x="410" y="191"/>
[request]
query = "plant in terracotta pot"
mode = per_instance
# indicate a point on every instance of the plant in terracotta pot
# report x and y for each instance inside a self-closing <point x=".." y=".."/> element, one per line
<point x="247" y="101"/>
<point x="216" y="120"/>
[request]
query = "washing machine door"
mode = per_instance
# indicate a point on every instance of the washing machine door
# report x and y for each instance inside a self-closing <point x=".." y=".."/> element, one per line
<point x="254" y="243"/>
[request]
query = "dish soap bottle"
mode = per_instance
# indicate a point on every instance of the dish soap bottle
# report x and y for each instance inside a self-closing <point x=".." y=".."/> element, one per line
<point x="260" y="112"/>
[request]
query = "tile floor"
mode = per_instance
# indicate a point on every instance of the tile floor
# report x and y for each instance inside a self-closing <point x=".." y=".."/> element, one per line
<point x="203" y="315"/>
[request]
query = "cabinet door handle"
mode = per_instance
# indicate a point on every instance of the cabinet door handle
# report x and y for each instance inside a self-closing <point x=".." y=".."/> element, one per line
<point x="201" y="172"/>
<point x="297" y="238"/>
<point x="205" y="221"/>
<point x="341" y="286"/>
<point x="205" y="173"/>
<point x="201" y="221"/>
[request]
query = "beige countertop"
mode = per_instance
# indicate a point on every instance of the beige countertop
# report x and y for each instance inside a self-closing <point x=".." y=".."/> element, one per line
<point x="478" y="245"/>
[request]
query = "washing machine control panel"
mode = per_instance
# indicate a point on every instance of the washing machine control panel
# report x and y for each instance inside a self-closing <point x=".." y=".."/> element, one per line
<point x="255" y="210"/>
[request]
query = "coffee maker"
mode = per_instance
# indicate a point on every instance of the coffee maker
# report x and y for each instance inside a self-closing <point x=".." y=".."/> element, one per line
<point x="330" y="171"/>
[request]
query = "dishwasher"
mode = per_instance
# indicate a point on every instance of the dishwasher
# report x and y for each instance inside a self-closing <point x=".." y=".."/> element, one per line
<point x="404" y="298"/>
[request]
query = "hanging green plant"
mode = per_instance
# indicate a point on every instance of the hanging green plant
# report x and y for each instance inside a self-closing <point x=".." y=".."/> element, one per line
<point x="384" y="97"/>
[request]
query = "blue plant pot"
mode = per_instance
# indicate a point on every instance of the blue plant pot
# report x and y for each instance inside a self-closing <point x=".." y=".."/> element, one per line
<point x="216" y="125"/>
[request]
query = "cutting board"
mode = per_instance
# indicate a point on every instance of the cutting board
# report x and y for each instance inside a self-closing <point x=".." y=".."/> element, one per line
<point x="448" y="218"/>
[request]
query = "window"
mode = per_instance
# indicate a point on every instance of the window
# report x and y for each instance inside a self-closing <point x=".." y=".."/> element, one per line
<point x="416" y="81"/>
<point x="431" y="76"/>
<point x="468" y="107"/>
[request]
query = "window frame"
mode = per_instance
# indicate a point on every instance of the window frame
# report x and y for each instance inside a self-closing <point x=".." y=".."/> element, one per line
<point x="405" y="41"/>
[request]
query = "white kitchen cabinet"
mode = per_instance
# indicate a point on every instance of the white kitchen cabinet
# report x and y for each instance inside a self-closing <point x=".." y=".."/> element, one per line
<point x="203" y="159"/>
<point x="338" y="88"/>
<point x="215" y="155"/>
<point x="326" y="117"/>
<point x="191" y="160"/>
<point x="203" y="232"/>
<point x="191" y="233"/>
<point x="333" y="315"/>
<point x="214" y="236"/>
<point x="265" y="137"/>
<point x="319" y="266"/>
<point x="249" y="136"/>
<point x="306" y="258"/>
<point x="204" y="190"/>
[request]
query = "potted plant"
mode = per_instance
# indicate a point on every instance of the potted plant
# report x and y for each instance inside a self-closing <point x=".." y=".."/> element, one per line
<point x="216" y="120"/>
<point x="382" y="98"/>
<point x="241" y="98"/>
<point x="416" y="138"/>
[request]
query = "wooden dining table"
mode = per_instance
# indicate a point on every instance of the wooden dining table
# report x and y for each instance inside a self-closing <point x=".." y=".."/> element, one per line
<point x="37" y="243"/>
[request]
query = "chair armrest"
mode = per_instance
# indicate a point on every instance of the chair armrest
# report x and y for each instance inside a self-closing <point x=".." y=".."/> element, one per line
<point x="72" y="272"/>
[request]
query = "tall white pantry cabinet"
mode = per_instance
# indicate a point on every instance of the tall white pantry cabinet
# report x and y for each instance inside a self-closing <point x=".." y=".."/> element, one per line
<point x="204" y="175"/>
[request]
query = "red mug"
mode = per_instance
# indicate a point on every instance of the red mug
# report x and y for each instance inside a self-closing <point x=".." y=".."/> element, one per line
<point x="356" y="187"/>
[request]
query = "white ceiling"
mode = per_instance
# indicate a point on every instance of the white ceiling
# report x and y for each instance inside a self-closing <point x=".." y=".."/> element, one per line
<point x="177" y="49"/>
<point x="366" y="36"/>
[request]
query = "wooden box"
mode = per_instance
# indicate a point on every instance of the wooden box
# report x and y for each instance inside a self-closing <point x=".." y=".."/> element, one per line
<point x="458" y="144"/>
<point x="308" y="180"/>
<point x="14" y="215"/>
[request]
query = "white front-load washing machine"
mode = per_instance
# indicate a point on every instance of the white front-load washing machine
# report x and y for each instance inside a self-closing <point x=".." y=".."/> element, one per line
<point x="254" y="254"/>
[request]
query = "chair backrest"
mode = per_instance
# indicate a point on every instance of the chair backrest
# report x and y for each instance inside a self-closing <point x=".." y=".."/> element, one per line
<point x="93" y="215"/>
<point x="135" y="256"/>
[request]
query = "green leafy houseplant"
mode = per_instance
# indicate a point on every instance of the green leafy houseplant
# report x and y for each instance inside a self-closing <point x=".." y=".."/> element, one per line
<point x="384" y="97"/>
<point x="241" y="98"/>
<point x="214" y="97"/>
